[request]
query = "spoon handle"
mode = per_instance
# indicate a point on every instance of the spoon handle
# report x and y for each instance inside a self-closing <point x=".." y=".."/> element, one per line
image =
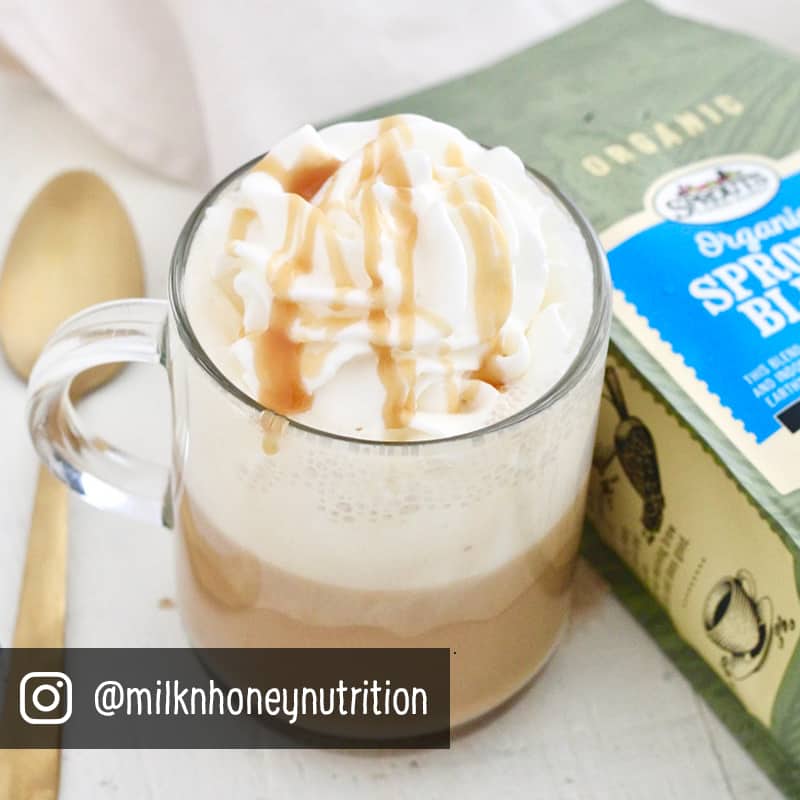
<point x="34" y="774"/>
<point x="30" y="774"/>
<point x="42" y="600"/>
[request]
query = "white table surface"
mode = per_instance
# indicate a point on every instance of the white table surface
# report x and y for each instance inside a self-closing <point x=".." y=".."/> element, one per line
<point x="610" y="717"/>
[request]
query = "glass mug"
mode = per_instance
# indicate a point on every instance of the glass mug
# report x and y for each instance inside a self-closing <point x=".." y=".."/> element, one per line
<point x="288" y="536"/>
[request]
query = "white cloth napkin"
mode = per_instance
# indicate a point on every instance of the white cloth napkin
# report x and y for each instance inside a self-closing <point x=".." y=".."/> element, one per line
<point x="191" y="88"/>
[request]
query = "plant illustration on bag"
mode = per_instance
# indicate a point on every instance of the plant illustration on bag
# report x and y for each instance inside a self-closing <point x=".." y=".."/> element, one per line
<point x="636" y="451"/>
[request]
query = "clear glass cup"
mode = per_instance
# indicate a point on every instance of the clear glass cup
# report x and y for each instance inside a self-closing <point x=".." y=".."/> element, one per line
<point x="292" y="537"/>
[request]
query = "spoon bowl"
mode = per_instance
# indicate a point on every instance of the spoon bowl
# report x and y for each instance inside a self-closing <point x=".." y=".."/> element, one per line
<point x="74" y="247"/>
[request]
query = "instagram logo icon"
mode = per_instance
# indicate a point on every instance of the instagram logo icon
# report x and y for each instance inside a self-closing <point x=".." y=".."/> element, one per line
<point x="45" y="698"/>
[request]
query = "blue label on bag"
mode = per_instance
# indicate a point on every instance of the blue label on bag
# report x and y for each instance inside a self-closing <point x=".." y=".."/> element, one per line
<point x="719" y="279"/>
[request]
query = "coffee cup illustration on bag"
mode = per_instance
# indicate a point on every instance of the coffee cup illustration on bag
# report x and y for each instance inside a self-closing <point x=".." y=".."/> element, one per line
<point x="738" y="622"/>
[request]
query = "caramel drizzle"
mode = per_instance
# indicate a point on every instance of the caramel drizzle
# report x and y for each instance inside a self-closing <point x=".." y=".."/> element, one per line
<point x="281" y="362"/>
<point x="399" y="377"/>
<point x="454" y="156"/>
<point x="450" y="382"/>
<point x="313" y="358"/>
<point x="305" y="178"/>
<point x="383" y="158"/>
<point x="493" y="287"/>
<point x="240" y="222"/>
<point x="438" y="322"/>
<point x="393" y="134"/>
<point x="277" y="356"/>
<point x="329" y="326"/>
<point x="339" y="270"/>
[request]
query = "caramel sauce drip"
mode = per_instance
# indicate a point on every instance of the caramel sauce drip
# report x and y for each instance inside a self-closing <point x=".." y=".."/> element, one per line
<point x="453" y="156"/>
<point x="455" y="194"/>
<point x="398" y="379"/>
<point x="277" y="360"/>
<point x="467" y="397"/>
<point x="393" y="135"/>
<point x="493" y="290"/>
<point x="277" y="356"/>
<point x="396" y="121"/>
<point x="372" y="243"/>
<point x="328" y="325"/>
<point x="304" y="179"/>
<point x="394" y="173"/>
<point x="339" y="270"/>
<point x="314" y="357"/>
<point x="400" y="403"/>
<point x="493" y="284"/>
<point x="485" y="372"/>
<point x="240" y="222"/>
<point x="406" y="225"/>
<point x="451" y="385"/>
<point x="484" y="194"/>
<point x="437" y="321"/>
<point x="377" y="319"/>
<point x="382" y="157"/>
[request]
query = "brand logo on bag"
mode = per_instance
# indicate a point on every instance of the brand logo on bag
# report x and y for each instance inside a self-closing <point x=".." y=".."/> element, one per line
<point x="717" y="192"/>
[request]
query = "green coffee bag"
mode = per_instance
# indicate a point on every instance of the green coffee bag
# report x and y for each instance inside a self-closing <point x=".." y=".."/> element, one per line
<point x="682" y="145"/>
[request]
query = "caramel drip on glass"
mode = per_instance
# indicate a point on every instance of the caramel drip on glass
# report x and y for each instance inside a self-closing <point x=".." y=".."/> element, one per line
<point x="273" y="428"/>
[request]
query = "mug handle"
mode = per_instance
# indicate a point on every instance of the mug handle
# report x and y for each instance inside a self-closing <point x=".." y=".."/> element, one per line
<point x="119" y="331"/>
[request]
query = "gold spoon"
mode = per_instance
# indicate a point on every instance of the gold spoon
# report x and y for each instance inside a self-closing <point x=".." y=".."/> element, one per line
<point x="74" y="247"/>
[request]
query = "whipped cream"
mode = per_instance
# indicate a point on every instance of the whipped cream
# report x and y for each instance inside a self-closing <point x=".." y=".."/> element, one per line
<point x="390" y="279"/>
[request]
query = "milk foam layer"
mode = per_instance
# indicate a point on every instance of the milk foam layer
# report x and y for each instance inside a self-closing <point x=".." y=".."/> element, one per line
<point x="390" y="280"/>
<point x="409" y="517"/>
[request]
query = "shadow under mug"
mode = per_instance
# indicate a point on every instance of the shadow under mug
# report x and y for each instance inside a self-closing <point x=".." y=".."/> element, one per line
<point x="293" y="537"/>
